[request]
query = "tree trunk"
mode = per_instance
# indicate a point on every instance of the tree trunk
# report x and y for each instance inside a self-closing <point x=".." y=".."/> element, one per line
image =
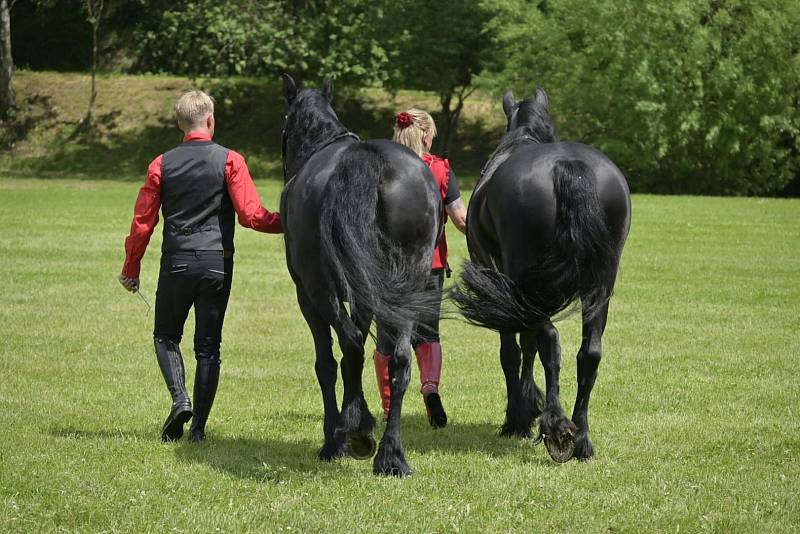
<point x="7" y="97"/>
<point x="93" y="97"/>
<point x="450" y="118"/>
<point x="94" y="14"/>
<point x="445" y="100"/>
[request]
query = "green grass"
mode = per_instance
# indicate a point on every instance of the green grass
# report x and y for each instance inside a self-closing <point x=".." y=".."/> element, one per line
<point x="695" y="415"/>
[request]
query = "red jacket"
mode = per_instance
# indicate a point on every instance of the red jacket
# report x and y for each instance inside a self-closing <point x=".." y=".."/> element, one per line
<point x="241" y="189"/>
<point x="441" y="172"/>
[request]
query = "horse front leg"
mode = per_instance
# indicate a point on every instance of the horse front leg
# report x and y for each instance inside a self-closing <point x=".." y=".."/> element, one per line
<point x="589" y="356"/>
<point x="558" y="431"/>
<point x="356" y="421"/>
<point x="326" y="370"/>
<point x="391" y="459"/>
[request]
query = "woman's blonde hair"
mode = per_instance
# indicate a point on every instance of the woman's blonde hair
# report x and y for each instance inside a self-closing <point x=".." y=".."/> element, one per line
<point x="410" y="128"/>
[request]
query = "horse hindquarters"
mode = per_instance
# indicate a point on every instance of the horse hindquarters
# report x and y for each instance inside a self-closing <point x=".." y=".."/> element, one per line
<point x="580" y="262"/>
<point x="366" y="266"/>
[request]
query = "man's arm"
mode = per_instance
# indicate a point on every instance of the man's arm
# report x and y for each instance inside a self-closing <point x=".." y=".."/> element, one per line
<point x="245" y="199"/>
<point x="145" y="218"/>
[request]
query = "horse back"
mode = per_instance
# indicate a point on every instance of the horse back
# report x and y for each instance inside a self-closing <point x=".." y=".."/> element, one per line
<point x="517" y="204"/>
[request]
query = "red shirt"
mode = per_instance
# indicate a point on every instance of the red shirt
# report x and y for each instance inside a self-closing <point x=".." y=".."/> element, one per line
<point x="441" y="172"/>
<point x="241" y="190"/>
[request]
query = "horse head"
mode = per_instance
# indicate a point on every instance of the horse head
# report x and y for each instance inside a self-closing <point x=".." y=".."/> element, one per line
<point x="310" y="122"/>
<point x="530" y="113"/>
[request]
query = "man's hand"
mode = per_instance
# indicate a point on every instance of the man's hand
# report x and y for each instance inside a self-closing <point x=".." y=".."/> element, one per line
<point x="131" y="284"/>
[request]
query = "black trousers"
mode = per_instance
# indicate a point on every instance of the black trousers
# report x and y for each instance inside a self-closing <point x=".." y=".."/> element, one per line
<point x="427" y="329"/>
<point x="201" y="279"/>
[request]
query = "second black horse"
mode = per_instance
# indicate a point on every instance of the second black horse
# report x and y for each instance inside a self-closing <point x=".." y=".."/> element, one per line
<point x="546" y="226"/>
<point x="360" y="221"/>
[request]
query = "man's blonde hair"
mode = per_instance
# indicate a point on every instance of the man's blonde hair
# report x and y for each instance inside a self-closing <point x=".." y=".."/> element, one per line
<point x="412" y="135"/>
<point x="192" y="109"/>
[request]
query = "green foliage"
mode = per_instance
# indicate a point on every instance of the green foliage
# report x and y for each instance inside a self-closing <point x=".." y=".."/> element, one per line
<point x="50" y="35"/>
<point x="438" y="47"/>
<point x="246" y="37"/>
<point x="686" y="96"/>
<point x="695" y="96"/>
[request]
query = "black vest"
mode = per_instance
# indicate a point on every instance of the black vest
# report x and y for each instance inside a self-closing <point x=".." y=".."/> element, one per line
<point x="197" y="211"/>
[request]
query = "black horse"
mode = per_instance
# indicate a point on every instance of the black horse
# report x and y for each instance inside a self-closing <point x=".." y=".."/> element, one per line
<point x="546" y="225"/>
<point x="361" y="219"/>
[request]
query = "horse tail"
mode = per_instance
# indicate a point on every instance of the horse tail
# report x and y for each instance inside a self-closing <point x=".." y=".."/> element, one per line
<point x="581" y="262"/>
<point x="583" y="243"/>
<point x="364" y="265"/>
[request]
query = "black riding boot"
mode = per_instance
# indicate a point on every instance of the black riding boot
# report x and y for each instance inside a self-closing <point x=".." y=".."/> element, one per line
<point x="205" y="389"/>
<point x="168" y="354"/>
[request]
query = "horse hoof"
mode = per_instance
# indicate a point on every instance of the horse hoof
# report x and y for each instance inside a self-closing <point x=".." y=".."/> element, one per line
<point x="560" y="451"/>
<point x="361" y="445"/>
<point x="329" y="453"/>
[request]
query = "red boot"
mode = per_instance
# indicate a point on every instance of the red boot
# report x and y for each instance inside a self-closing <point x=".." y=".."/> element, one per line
<point x="429" y="360"/>
<point x="382" y="374"/>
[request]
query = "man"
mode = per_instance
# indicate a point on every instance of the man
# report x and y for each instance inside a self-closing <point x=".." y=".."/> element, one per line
<point x="198" y="185"/>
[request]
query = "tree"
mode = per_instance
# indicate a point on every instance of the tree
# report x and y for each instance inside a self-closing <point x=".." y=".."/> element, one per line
<point x="7" y="97"/>
<point x="94" y="14"/>
<point x="686" y="96"/>
<point x="309" y="39"/>
<point x="439" y="47"/>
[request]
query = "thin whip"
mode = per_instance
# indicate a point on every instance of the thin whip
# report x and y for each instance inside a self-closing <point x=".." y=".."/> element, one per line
<point x="143" y="299"/>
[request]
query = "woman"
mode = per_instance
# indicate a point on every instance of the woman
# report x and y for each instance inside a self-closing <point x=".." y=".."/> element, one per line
<point x="415" y="129"/>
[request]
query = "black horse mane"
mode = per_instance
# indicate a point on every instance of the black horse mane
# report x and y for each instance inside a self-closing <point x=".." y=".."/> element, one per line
<point x="537" y="127"/>
<point x="535" y="118"/>
<point x="310" y="124"/>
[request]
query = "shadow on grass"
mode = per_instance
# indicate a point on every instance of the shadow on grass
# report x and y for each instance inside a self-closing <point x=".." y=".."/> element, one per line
<point x="260" y="459"/>
<point x="267" y="459"/>
<point x="456" y="438"/>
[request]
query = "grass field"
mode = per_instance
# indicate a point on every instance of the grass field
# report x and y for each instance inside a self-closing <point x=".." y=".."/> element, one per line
<point x="695" y="415"/>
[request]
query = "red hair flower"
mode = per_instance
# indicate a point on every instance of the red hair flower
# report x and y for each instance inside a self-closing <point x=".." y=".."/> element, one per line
<point x="404" y="120"/>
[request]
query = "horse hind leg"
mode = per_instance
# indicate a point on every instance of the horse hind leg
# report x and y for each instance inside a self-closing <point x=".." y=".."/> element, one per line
<point x="390" y="459"/>
<point x="356" y="421"/>
<point x="518" y="415"/>
<point x="589" y="356"/>
<point x="532" y="396"/>
<point x="558" y="431"/>
<point x="326" y="370"/>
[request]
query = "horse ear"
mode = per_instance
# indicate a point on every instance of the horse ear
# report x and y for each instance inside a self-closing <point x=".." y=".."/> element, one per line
<point x="509" y="102"/>
<point x="289" y="89"/>
<point x="327" y="88"/>
<point x="541" y="97"/>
